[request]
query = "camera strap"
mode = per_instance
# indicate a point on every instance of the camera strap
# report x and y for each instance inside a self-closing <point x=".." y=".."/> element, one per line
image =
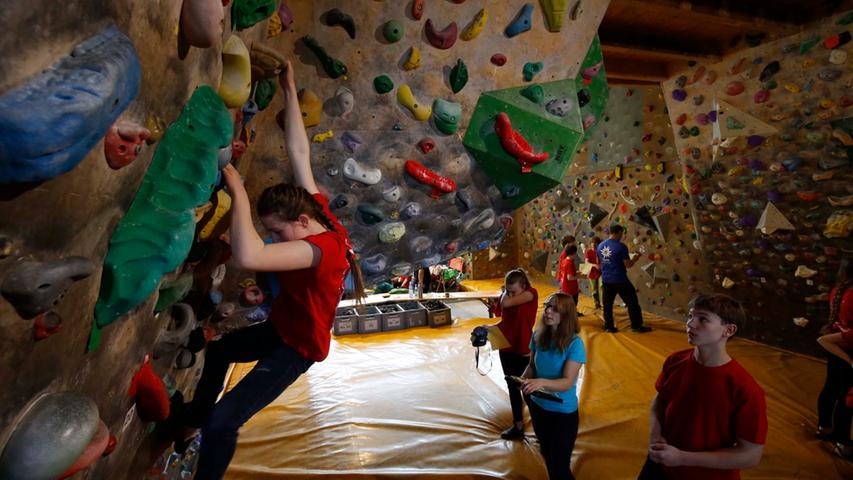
<point x="477" y="361"/>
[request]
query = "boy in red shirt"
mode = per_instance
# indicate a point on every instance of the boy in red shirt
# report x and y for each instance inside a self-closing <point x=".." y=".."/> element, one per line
<point x="569" y="273"/>
<point x="595" y="273"/>
<point x="709" y="417"/>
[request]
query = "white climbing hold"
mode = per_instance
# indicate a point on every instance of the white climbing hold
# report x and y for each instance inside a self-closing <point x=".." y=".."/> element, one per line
<point x="805" y="272"/>
<point x="392" y="194"/>
<point x="355" y="171"/>
<point x="719" y="199"/>
<point x="801" y="321"/>
<point x="728" y="283"/>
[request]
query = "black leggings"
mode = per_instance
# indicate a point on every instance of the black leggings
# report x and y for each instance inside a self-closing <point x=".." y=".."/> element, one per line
<point x="628" y="294"/>
<point x="832" y="411"/>
<point x="652" y="471"/>
<point x="514" y="364"/>
<point x="557" y="433"/>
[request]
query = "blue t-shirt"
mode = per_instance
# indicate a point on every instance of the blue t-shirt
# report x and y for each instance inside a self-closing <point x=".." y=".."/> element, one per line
<point x="549" y="365"/>
<point x="612" y="255"/>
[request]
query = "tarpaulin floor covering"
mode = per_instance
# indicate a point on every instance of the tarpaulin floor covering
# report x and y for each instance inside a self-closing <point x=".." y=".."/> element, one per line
<point x="411" y="404"/>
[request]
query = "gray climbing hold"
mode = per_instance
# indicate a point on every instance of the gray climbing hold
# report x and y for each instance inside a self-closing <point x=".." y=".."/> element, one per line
<point x="392" y="194"/>
<point x="344" y="101"/>
<point x="411" y="210"/>
<point x="374" y="264"/>
<point x="35" y="287"/>
<point x="370" y="215"/>
<point x="560" y="106"/>
<point x="392" y="232"/>
<point x="463" y="200"/>
<point x="355" y="171"/>
<point x="420" y="244"/>
<point x="483" y="221"/>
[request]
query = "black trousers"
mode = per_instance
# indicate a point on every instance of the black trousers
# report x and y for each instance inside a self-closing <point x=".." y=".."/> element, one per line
<point x="652" y="471"/>
<point x="628" y="294"/>
<point x="832" y="411"/>
<point x="557" y="433"/>
<point x="514" y="364"/>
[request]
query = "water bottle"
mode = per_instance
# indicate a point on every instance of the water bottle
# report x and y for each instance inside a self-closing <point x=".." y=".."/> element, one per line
<point x="412" y="287"/>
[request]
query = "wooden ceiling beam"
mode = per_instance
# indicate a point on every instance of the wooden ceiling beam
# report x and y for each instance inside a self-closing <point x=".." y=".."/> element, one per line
<point x="644" y="71"/>
<point x="641" y="53"/>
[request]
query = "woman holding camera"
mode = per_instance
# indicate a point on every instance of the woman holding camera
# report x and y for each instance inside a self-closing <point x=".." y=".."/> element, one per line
<point x="557" y="353"/>
<point x="517" y="309"/>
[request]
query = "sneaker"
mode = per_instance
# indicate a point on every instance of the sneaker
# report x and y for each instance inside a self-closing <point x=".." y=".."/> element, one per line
<point x="641" y="329"/>
<point x="844" y="451"/>
<point x="512" y="433"/>
<point x="611" y="329"/>
<point x="823" y="433"/>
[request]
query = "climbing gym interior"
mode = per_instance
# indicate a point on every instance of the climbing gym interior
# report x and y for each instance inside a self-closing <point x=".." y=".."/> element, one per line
<point x="454" y="141"/>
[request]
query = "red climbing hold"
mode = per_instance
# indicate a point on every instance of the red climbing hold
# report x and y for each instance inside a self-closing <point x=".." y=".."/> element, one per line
<point x="418" y="9"/>
<point x="426" y="145"/>
<point x="734" y="88"/>
<point x="426" y="176"/>
<point x="681" y="119"/>
<point x="443" y="39"/>
<point x="499" y="59"/>
<point x="515" y="144"/>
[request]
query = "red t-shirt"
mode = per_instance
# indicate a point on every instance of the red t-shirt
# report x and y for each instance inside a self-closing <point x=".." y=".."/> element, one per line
<point x="845" y="310"/>
<point x="709" y="408"/>
<point x="517" y="324"/>
<point x="304" y="310"/>
<point x="592" y="258"/>
<point x="567" y="267"/>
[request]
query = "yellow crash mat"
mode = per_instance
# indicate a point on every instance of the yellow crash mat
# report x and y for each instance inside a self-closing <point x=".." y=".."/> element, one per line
<point x="411" y="404"/>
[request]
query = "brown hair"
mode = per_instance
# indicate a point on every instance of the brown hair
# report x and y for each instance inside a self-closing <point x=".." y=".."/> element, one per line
<point x="287" y="201"/>
<point x="727" y="308"/>
<point x="568" y="239"/>
<point x="565" y="331"/>
<point x="517" y="276"/>
<point x="570" y="249"/>
<point x="596" y="240"/>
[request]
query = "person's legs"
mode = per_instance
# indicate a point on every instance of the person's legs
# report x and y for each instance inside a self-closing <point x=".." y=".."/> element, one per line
<point x="595" y="286"/>
<point x="538" y="417"/>
<point x="843" y="416"/>
<point x="514" y="364"/>
<point x="628" y="294"/>
<point x="830" y="393"/>
<point x="271" y="376"/>
<point x="244" y="345"/>
<point x="609" y="291"/>
<point x="564" y="428"/>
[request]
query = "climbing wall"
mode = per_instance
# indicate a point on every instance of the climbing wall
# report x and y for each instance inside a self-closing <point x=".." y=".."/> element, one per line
<point x="395" y="220"/>
<point x="499" y="258"/>
<point x="765" y="140"/>
<point x="626" y="173"/>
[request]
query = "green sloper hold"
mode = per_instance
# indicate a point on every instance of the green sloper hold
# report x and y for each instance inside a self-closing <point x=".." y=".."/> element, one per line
<point x="393" y="31"/>
<point x="383" y="84"/>
<point x="264" y="93"/>
<point x="846" y="19"/>
<point x="174" y="291"/>
<point x="156" y="234"/>
<point x="446" y="115"/>
<point x="593" y="111"/>
<point x="332" y="66"/>
<point x="808" y="43"/>
<point x="531" y="69"/>
<point x="458" y="76"/>
<point x="245" y="13"/>
<point x="534" y="93"/>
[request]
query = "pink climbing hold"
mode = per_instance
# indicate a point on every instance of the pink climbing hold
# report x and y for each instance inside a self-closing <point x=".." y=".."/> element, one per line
<point x="443" y="39"/>
<point x="499" y="59"/>
<point x="702" y="119"/>
<point x="734" y="88"/>
<point x="588" y="121"/>
<point x="590" y="72"/>
<point x="426" y="145"/>
<point x="761" y="96"/>
<point x="123" y="143"/>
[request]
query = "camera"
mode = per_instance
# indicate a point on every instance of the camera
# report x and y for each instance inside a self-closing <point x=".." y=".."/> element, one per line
<point x="479" y="336"/>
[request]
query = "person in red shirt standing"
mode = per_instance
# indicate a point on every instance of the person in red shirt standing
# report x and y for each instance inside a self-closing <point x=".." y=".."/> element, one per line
<point x="569" y="273"/>
<point x="594" y="275"/>
<point x="517" y="308"/>
<point x="311" y="256"/>
<point x="834" y="418"/>
<point x="709" y="417"/>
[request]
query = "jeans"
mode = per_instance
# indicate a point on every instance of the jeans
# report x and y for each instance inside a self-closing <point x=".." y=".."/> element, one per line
<point x="514" y="364"/>
<point x="278" y="366"/>
<point x="557" y="433"/>
<point x="832" y="411"/>
<point x="628" y="294"/>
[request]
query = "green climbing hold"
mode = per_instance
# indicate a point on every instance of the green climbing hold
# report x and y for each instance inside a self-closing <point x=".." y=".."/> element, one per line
<point x="771" y="85"/>
<point x="370" y="215"/>
<point x="446" y="115"/>
<point x="383" y="84"/>
<point x="174" y="291"/>
<point x="531" y="69"/>
<point x="846" y="19"/>
<point x="534" y="93"/>
<point x="264" y="92"/>
<point x="733" y="124"/>
<point x="694" y="131"/>
<point x="393" y="31"/>
<point x="157" y="232"/>
<point x="333" y="67"/>
<point x="245" y="13"/>
<point x="808" y="43"/>
<point x="458" y="76"/>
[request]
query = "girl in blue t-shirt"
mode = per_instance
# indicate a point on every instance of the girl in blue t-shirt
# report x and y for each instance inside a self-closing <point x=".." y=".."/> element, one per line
<point x="556" y="356"/>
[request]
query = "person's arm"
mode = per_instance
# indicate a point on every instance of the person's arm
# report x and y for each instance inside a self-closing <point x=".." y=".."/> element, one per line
<point x="631" y="260"/>
<point x="248" y="248"/>
<point x="832" y="344"/>
<point x="509" y="300"/>
<point x="530" y="371"/>
<point x="296" y="138"/>
<point x="741" y="456"/>
<point x="570" y="375"/>
<point x="656" y="415"/>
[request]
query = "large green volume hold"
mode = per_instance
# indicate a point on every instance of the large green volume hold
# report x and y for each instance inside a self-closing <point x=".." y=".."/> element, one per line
<point x="155" y="235"/>
<point x="245" y="13"/>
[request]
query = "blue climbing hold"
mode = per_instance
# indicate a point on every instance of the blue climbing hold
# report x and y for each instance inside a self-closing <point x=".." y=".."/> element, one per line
<point x="50" y="123"/>
<point x="522" y="22"/>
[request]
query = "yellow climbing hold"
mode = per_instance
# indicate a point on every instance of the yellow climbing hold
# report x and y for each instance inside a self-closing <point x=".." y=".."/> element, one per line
<point x="809" y="62"/>
<point x="826" y="104"/>
<point x="223" y="206"/>
<point x="274" y="26"/>
<point x="408" y="100"/>
<point x="322" y="137"/>
<point x="311" y="106"/>
<point x="236" y="83"/>
<point x="414" y="60"/>
<point x="476" y="26"/>
<point x="735" y="171"/>
<point x="792" y="87"/>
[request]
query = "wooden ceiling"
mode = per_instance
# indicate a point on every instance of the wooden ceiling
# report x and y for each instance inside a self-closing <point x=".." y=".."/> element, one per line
<point x="648" y="41"/>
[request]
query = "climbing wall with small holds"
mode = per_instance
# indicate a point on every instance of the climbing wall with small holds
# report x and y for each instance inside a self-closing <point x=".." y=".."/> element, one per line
<point x="634" y="182"/>
<point x="765" y="137"/>
<point x="499" y="258"/>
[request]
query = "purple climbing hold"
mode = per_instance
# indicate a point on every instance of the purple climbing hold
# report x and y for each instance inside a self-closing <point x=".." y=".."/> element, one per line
<point x="774" y="196"/>
<point x="351" y="140"/>
<point x="679" y="95"/>
<point x="754" y="273"/>
<point x="756" y="165"/>
<point x="712" y="116"/>
<point x="755" y="140"/>
<point x="747" y="220"/>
